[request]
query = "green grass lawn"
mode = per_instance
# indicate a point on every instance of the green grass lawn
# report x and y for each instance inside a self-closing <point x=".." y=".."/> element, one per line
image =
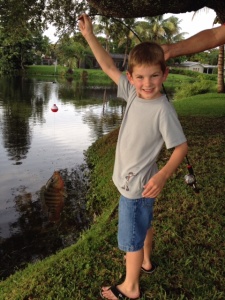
<point x="189" y="243"/>
<point x="45" y="70"/>
<point x="93" y="76"/>
<point x="210" y="105"/>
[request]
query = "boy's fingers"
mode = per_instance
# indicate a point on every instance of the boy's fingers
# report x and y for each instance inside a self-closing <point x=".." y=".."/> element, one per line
<point x="82" y="17"/>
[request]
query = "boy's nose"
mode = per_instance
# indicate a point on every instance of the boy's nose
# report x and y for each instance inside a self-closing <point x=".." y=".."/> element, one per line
<point x="147" y="81"/>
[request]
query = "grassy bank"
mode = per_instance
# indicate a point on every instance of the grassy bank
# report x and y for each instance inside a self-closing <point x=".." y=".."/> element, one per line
<point x="189" y="228"/>
<point x="176" y="81"/>
<point x="90" y="76"/>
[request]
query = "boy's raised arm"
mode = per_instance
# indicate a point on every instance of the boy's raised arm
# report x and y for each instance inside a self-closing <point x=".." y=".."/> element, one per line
<point x="102" y="56"/>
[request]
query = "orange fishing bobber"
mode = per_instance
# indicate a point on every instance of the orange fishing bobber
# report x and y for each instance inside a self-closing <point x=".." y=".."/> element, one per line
<point x="54" y="108"/>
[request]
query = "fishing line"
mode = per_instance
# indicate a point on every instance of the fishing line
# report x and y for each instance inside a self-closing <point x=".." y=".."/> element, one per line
<point x="54" y="109"/>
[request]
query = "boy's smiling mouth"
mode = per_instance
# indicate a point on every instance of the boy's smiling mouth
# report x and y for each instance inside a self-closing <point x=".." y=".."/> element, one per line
<point x="148" y="90"/>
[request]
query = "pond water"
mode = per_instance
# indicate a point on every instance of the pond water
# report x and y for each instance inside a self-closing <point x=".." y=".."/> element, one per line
<point x="34" y="142"/>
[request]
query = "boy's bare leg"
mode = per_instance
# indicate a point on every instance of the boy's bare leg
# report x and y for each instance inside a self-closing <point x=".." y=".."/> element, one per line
<point x="147" y="250"/>
<point x="146" y="264"/>
<point x="130" y="286"/>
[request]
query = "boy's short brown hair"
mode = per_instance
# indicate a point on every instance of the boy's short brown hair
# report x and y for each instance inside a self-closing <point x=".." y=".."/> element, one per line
<point x="146" y="53"/>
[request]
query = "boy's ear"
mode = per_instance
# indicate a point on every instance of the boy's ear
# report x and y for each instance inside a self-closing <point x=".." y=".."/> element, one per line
<point x="129" y="77"/>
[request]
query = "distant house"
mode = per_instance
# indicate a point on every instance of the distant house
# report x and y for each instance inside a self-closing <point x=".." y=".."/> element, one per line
<point x="196" y="66"/>
<point x="46" y="60"/>
<point x="119" y="60"/>
<point x="209" y="68"/>
<point x="90" y="62"/>
<point x="191" y="65"/>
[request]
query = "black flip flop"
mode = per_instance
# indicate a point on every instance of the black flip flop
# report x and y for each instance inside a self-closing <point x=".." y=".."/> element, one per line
<point x="120" y="295"/>
<point x="153" y="268"/>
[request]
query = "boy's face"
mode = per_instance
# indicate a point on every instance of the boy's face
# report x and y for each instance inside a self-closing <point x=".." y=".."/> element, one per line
<point x="148" y="80"/>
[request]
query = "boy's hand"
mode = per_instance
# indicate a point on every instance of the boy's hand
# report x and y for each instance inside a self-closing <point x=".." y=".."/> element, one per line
<point x="85" y="25"/>
<point x="157" y="182"/>
<point x="154" y="186"/>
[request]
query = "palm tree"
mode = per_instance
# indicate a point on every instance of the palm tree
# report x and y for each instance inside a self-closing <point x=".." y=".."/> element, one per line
<point x="220" y="74"/>
<point x="130" y="32"/>
<point x="119" y="31"/>
<point x="172" y="30"/>
<point x="155" y="29"/>
<point x="143" y="30"/>
<point x="160" y="30"/>
<point x="126" y="35"/>
<point x="105" y="27"/>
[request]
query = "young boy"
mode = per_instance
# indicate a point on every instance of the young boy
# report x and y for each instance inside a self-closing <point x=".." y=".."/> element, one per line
<point x="148" y="122"/>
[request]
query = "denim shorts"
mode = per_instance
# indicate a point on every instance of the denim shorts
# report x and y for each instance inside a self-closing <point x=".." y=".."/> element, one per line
<point x="135" y="218"/>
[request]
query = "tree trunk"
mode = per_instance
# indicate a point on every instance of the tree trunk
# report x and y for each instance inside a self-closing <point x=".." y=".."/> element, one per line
<point x="220" y="76"/>
<point x="150" y="8"/>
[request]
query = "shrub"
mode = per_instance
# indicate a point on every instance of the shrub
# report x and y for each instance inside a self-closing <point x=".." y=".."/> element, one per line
<point x="194" y="74"/>
<point x="201" y="86"/>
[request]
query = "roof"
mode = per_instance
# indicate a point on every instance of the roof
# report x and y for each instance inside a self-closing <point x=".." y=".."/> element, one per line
<point x="194" y="63"/>
<point x="209" y="66"/>
<point x="189" y="64"/>
<point x="118" y="55"/>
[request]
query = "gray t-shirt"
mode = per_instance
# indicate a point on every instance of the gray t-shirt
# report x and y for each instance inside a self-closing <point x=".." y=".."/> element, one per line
<point x="146" y="126"/>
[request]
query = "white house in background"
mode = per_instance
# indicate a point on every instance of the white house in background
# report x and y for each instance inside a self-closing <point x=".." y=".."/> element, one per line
<point x="196" y="66"/>
<point x="209" y="69"/>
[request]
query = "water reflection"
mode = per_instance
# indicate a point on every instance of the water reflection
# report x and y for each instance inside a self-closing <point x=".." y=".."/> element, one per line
<point x="15" y="118"/>
<point x="34" y="236"/>
<point x="34" y="142"/>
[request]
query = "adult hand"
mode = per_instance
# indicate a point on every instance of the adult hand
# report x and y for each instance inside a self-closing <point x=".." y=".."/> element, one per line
<point x="166" y="49"/>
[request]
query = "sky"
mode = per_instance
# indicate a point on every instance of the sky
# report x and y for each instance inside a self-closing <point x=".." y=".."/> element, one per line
<point x="202" y="20"/>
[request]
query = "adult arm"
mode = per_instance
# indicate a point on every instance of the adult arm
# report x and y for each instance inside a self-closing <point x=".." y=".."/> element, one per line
<point x="157" y="182"/>
<point x="204" y="40"/>
<point x="102" y="56"/>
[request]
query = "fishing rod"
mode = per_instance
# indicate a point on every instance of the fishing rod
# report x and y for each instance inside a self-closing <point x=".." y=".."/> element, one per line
<point x="189" y="178"/>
